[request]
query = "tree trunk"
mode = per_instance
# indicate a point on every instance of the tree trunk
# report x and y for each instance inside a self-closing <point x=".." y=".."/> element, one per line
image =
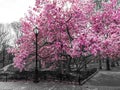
<point x="3" y="57"/>
<point x="117" y="63"/>
<point x="100" y="64"/>
<point x="60" y="72"/>
<point x="107" y="63"/>
<point x="79" y="79"/>
<point x="113" y="64"/>
<point x="68" y="64"/>
<point x="85" y="63"/>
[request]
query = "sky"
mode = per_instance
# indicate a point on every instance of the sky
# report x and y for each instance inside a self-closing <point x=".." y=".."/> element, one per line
<point x="13" y="10"/>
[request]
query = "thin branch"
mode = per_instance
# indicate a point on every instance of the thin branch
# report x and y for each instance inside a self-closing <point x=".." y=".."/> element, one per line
<point x="69" y="18"/>
<point x="70" y="37"/>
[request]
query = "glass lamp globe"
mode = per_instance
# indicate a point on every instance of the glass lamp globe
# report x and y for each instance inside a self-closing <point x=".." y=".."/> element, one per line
<point x="36" y="31"/>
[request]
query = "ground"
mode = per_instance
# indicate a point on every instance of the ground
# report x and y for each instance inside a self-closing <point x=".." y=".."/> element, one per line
<point x="40" y="86"/>
<point x="103" y="80"/>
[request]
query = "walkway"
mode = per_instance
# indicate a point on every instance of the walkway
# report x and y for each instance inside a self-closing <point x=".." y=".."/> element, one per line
<point x="49" y="86"/>
<point x="105" y="80"/>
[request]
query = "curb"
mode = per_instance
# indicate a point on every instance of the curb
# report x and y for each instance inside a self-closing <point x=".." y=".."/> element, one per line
<point x="84" y="81"/>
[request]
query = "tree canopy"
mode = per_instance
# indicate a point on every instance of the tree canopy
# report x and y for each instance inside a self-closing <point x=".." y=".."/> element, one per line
<point x="72" y="27"/>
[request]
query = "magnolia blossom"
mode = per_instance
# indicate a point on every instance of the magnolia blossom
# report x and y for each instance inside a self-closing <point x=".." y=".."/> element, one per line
<point x="106" y="25"/>
<point x="63" y="29"/>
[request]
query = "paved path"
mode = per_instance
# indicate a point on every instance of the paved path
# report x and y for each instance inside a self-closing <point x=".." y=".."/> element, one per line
<point x="105" y="80"/>
<point x="50" y="86"/>
<point x="39" y="86"/>
<point x="100" y="88"/>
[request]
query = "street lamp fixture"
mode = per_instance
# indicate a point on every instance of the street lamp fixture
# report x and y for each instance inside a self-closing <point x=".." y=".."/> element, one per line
<point x="36" y="31"/>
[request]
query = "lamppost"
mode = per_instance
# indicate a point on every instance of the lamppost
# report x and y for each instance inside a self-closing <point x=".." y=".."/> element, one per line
<point x="36" y="31"/>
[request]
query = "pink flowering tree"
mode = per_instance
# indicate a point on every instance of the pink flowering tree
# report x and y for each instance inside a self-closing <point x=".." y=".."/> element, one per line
<point x="62" y="28"/>
<point x="106" y="24"/>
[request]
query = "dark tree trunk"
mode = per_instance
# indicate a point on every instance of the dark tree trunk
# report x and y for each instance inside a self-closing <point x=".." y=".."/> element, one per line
<point x="68" y="64"/>
<point x="60" y="71"/>
<point x="107" y="63"/>
<point x="100" y="64"/>
<point x="117" y="63"/>
<point x="112" y="64"/>
<point x="3" y="57"/>
<point x="85" y="63"/>
<point x="79" y="79"/>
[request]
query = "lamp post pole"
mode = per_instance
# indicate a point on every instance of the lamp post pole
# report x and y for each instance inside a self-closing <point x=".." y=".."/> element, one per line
<point x="36" y="62"/>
